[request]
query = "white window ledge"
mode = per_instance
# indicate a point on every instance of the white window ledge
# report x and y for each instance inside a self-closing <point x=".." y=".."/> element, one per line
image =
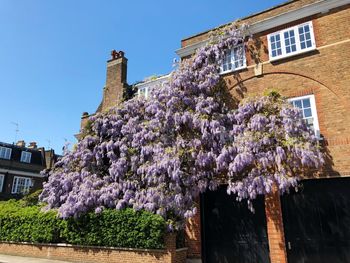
<point x="307" y="50"/>
<point x="233" y="70"/>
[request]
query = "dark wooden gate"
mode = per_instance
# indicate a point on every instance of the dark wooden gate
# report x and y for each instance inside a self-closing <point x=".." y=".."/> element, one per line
<point x="317" y="222"/>
<point x="230" y="232"/>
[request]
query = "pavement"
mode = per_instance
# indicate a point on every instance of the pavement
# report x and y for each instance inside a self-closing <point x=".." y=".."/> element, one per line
<point x="15" y="259"/>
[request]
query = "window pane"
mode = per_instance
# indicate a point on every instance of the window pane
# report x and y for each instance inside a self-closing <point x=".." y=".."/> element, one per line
<point x="238" y="57"/>
<point x="289" y="40"/>
<point x="21" y="185"/>
<point x="5" y="153"/>
<point x="227" y="65"/>
<point x="305" y="37"/>
<point x="305" y="106"/>
<point x="1" y="182"/>
<point x="307" y="113"/>
<point x="25" y="157"/>
<point x="14" y="185"/>
<point x="297" y="103"/>
<point x="309" y="121"/>
<point x="308" y="43"/>
<point x="275" y="45"/>
<point x="306" y="103"/>
<point x="143" y="92"/>
<point x="233" y="59"/>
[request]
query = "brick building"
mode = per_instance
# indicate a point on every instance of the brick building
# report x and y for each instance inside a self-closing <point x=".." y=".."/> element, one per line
<point x="20" y="168"/>
<point x="302" y="49"/>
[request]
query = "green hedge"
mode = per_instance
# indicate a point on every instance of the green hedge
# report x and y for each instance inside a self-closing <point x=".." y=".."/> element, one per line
<point x="125" y="228"/>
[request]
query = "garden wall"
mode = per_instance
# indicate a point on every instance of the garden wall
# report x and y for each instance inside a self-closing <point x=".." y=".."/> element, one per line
<point x="94" y="254"/>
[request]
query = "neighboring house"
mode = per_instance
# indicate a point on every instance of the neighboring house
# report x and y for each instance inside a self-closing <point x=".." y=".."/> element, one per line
<point x="144" y="88"/>
<point x="20" y="168"/>
<point x="302" y="49"/>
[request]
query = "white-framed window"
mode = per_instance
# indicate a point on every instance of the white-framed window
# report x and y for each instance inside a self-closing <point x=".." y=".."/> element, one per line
<point x="291" y="41"/>
<point x="307" y="106"/>
<point x="21" y="185"/>
<point x="143" y="92"/>
<point x="234" y="59"/>
<point x="2" y="178"/>
<point x="26" y="156"/>
<point x="5" y="153"/>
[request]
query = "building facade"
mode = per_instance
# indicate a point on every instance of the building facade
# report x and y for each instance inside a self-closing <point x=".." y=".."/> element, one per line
<point x="20" y="168"/>
<point x="301" y="49"/>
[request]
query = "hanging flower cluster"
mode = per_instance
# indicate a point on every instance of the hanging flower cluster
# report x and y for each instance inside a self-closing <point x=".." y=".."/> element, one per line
<point x="159" y="154"/>
<point x="272" y="146"/>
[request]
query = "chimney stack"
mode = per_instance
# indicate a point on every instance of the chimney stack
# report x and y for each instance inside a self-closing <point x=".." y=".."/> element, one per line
<point x="115" y="81"/>
<point x="32" y="145"/>
<point x="116" y="85"/>
<point x="21" y="143"/>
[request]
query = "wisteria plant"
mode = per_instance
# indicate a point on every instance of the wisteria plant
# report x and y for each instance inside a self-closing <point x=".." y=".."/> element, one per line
<point x="159" y="154"/>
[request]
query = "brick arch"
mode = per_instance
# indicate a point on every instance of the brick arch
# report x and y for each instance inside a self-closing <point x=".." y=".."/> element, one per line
<point x="281" y="81"/>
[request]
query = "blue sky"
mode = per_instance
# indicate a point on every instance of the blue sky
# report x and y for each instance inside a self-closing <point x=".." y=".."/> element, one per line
<point x="53" y="54"/>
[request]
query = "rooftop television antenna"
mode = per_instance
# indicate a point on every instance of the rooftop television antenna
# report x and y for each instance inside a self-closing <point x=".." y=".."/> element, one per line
<point x="65" y="148"/>
<point x="48" y="144"/>
<point x="16" y="130"/>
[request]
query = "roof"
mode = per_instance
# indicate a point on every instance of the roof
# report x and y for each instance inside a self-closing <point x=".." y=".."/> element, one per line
<point x="243" y="18"/>
<point x="37" y="157"/>
<point x="300" y="9"/>
<point x="152" y="81"/>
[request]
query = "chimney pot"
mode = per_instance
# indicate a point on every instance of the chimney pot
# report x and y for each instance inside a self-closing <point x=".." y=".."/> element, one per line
<point x="117" y="54"/>
<point x="32" y="145"/>
<point x="21" y="143"/>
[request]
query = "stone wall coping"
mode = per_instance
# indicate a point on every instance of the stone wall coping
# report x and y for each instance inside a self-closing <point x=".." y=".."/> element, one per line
<point x="182" y="249"/>
<point x="89" y="247"/>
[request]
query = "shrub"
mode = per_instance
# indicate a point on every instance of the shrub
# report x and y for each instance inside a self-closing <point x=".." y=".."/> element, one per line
<point x="18" y="223"/>
<point x="124" y="228"/>
<point x="31" y="199"/>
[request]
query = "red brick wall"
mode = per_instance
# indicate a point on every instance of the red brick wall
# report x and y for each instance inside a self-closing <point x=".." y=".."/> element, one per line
<point x="97" y="254"/>
<point x="275" y="232"/>
<point x="193" y="235"/>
